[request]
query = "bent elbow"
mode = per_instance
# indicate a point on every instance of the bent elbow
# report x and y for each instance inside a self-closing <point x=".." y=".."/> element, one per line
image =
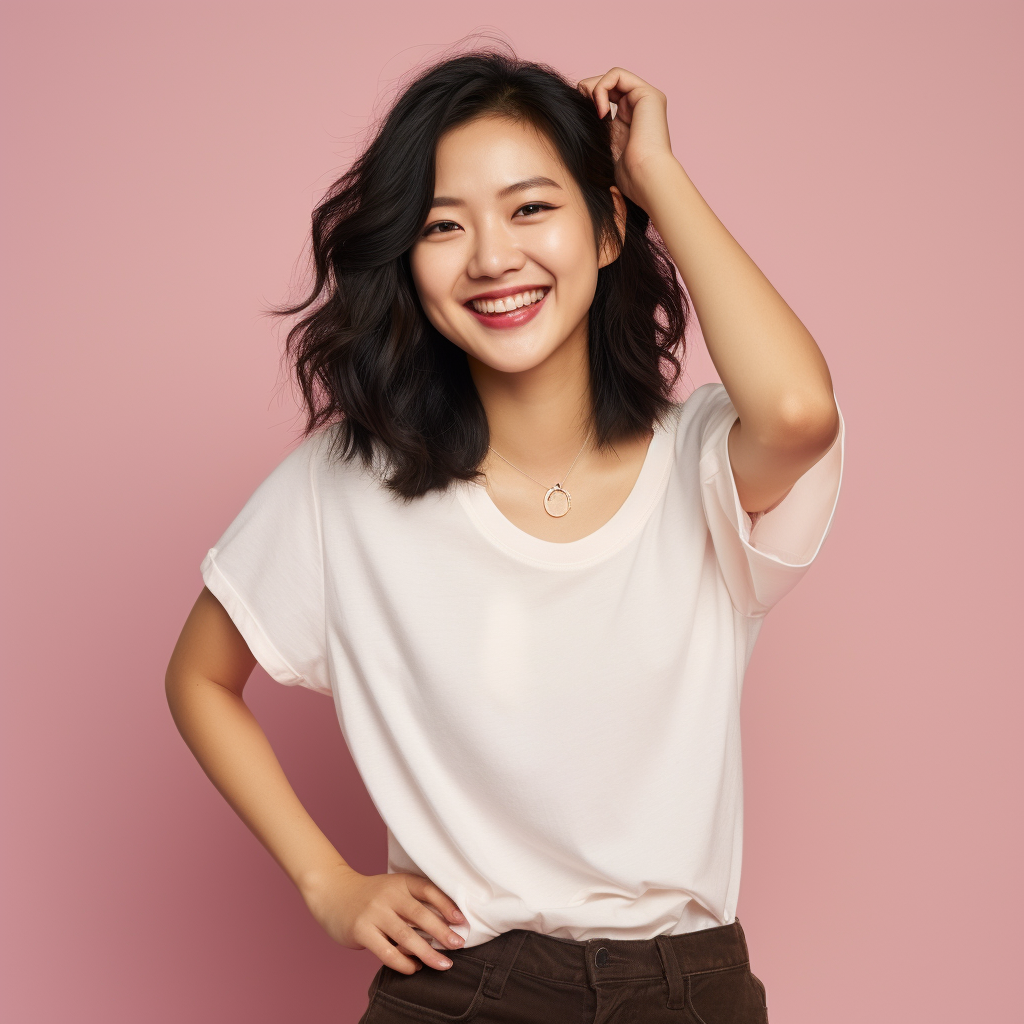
<point x="805" y="425"/>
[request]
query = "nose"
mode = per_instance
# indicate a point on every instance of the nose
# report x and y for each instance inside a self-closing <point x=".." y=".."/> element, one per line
<point x="494" y="251"/>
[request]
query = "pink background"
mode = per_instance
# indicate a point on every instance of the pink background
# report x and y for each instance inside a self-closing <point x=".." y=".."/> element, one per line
<point x="161" y="161"/>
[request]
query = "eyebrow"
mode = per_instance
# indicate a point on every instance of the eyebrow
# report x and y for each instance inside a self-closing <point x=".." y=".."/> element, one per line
<point x="509" y="190"/>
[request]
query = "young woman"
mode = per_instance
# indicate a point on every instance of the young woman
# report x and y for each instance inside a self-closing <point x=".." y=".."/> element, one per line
<point x="530" y="579"/>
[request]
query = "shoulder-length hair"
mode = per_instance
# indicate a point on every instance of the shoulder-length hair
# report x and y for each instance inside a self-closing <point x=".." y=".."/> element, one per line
<point x="365" y="354"/>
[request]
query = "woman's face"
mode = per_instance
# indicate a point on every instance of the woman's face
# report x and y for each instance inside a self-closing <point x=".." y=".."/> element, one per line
<point x="506" y="264"/>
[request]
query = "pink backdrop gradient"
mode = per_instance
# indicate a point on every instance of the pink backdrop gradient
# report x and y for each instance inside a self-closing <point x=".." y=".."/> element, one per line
<point x="160" y="164"/>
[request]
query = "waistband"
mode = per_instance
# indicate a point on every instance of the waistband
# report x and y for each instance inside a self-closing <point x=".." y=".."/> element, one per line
<point x="595" y="961"/>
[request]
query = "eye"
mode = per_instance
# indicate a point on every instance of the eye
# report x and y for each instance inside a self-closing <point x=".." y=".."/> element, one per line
<point x="533" y="208"/>
<point x="443" y="227"/>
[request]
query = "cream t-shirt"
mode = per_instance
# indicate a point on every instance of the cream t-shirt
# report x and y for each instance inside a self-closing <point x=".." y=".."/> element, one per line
<point x="551" y="732"/>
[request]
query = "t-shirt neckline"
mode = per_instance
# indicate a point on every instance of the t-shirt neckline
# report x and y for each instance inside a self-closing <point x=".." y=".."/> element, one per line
<point x="606" y="539"/>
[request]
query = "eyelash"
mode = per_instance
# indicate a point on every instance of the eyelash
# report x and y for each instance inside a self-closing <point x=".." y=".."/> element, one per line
<point x="441" y="223"/>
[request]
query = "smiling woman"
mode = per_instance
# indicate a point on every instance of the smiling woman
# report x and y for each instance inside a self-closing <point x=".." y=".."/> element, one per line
<point x="536" y="229"/>
<point x="490" y="179"/>
<point x="529" y="578"/>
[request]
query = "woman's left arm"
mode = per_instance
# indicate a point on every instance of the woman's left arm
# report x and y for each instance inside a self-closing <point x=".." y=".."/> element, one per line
<point x="771" y="367"/>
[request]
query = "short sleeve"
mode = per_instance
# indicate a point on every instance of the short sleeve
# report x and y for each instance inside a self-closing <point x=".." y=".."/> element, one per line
<point x="762" y="561"/>
<point x="267" y="572"/>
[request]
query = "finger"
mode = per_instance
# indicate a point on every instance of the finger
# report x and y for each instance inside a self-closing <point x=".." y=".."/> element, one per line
<point x="418" y="963"/>
<point x="427" y="919"/>
<point x="402" y="932"/>
<point x="613" y="86"/>
<point x="622" y="80"/>
<point x="590" y="86"/>
<point x="606" y="84"/>
<point x="424" y="889"/>
<point x="387" y="953"/>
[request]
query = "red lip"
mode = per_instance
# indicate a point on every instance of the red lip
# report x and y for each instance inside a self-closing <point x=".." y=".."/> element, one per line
<point x="518" y="317"/>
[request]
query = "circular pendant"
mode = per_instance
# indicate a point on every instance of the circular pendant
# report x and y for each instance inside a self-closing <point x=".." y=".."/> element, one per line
<point x="556" y="501"/>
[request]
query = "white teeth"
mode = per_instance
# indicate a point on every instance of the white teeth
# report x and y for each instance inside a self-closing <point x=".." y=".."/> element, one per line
<point x="508" y="303"/>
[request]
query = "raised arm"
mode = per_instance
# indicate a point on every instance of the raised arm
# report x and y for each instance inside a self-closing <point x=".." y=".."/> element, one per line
<point x="771" y="367"/>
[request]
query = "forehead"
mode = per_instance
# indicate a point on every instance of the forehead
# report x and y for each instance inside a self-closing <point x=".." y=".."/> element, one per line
<point x="490" y="152"/>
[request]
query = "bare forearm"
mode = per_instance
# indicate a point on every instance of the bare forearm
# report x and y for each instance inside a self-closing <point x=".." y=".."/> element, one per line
<point x="770" y="365"/>
<point x="233" y="750"/>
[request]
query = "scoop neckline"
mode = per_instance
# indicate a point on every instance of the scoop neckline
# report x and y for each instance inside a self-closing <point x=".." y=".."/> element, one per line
<point x="602" y="542"/>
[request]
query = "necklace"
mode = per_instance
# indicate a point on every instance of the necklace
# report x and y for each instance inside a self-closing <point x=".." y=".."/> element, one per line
<point x="556" y="499"/>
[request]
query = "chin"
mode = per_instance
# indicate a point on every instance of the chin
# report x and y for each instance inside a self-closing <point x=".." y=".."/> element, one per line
<point x="512" y="350"/>
<point x="511" y="358"/>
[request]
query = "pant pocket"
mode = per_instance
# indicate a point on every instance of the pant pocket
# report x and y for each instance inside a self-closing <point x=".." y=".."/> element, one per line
<point x="454" y="995"/>
<point x="764" y="992"/>
<point x="371" y="992"/>
<point x="732" y="996"/>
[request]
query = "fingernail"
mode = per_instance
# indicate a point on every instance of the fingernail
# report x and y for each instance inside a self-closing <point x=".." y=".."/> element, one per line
<point x="445" y="963"/>
<point x="457" y="914"/>
<point x="455" y="939"/>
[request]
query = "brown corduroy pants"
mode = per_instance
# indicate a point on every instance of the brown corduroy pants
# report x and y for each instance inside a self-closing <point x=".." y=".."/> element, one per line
<point x="524" y="977"/>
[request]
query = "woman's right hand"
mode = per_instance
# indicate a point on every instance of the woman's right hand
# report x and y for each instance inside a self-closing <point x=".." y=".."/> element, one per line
<point x="369" y="911"/>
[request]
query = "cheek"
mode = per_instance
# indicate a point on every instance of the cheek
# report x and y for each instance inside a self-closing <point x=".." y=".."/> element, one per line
<point x="431" y="275"/>
<point x="568" y="252"/>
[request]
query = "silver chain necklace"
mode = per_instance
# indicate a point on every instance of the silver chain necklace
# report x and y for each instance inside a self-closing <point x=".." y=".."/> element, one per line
<point x="556" y="499"/>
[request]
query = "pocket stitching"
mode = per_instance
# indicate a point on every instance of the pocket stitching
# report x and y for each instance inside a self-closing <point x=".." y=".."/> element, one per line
<point x="375" y="986"/>
<point x="764" y="991"/>
<point x="440" y="1015"/>
<point x="764" y="996"/>
<point x="688" y="1001"/>
<point x="721" y="970"/>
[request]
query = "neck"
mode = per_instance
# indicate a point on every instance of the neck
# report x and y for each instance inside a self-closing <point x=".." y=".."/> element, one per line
<point x="539" y="418"/>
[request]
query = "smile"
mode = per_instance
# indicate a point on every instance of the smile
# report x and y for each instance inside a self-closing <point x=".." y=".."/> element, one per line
<point x="510" y="310"/>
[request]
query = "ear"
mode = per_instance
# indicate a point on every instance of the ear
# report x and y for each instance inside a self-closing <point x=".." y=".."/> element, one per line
<point x="610" y="249"/>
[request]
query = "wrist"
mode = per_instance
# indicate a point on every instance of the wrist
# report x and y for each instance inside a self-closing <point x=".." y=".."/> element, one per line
<point x="314" y="879"/>
<point x="662" y="186"/>
<point x="656" y="176"/>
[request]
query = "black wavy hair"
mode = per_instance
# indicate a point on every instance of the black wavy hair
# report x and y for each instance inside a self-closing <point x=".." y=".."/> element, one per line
<point x="364" y="353"/>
